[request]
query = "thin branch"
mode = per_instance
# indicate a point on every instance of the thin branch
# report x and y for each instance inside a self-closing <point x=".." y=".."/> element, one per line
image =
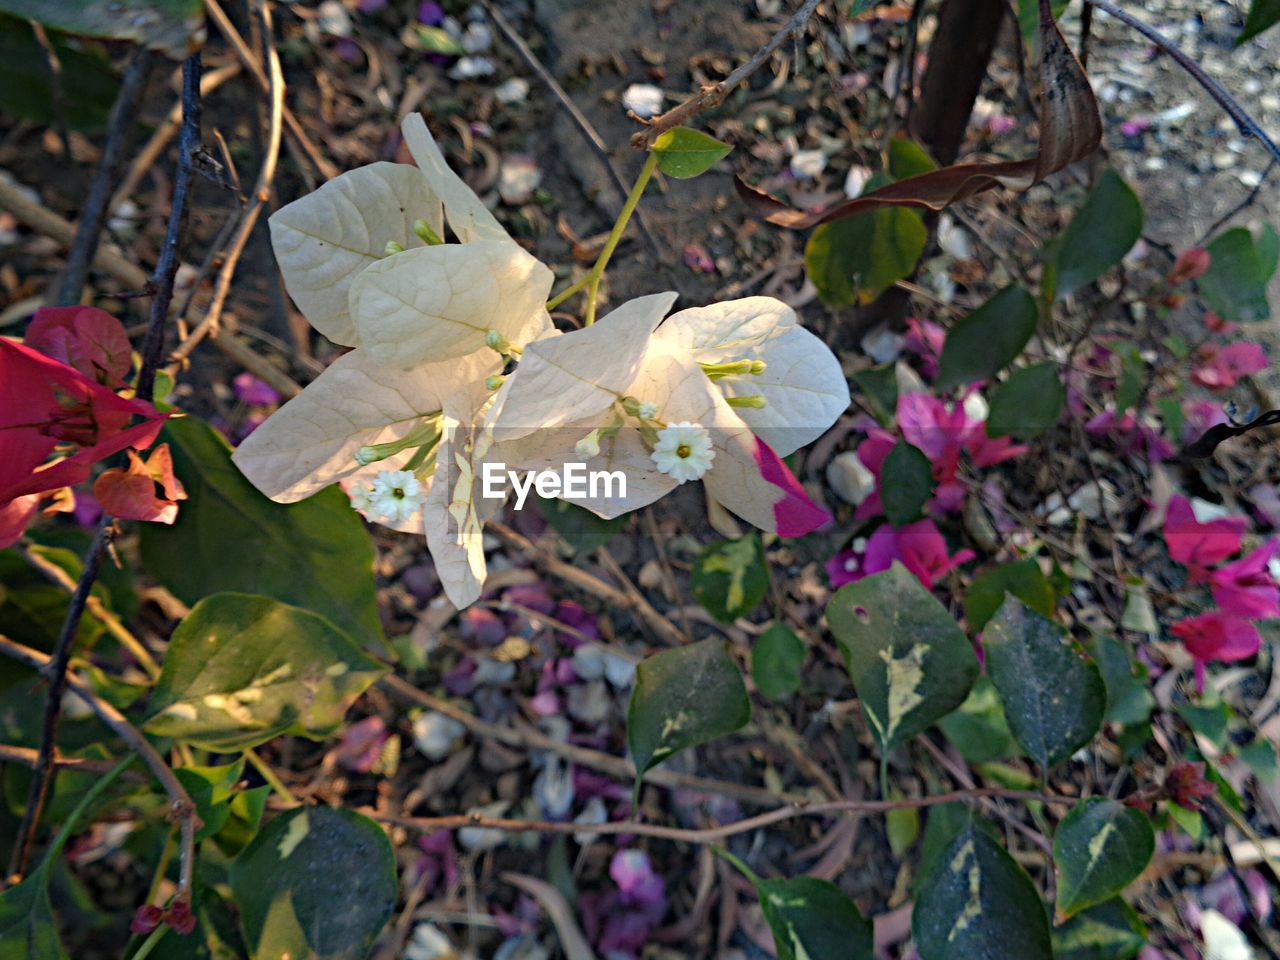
<point x="93" y="213"/>
<point x="30" y="757"/>
<point x="261" y="196"/>
<point x="713" y="94"/>
<point x="1242" y="205"/>
<point x="1246" y="124"/>
<point x="589" y="133"/>
<point x="724" y="831"/>
<point x="181" y="807"/>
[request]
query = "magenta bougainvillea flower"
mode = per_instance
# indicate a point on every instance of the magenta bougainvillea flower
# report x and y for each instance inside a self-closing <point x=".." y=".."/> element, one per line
<point x="145" y="490"/>
<point x="1197" y="545"/>
<point x="86" y="339"/>
<point x="1245" y="587"/>
<point x="1216" y="636"/>
<point x="1220" y="367"/>
<point x="1190" y="264"/>
<point x="919" y="546"/>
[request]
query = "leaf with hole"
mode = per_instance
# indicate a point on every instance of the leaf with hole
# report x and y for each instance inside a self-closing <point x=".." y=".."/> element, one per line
<point x="318" y="883"/>
<point x="1098" y="237"/>
<point x="1053" y="694"/>
<point x="980" y="345"/>
<point x="730" y="578"/>
<point x="1027" y="403"/>
<point x="315" y="554"/>
<point x="976" y="903"/>
<point x="684" y="153"/>
<point x="1099" y="848"/>
<point x="682" y="698"/>
<point x="776" y="658"/>
<point x="910" y="662"/>
<point x="241" y="670"/>
<point x="906" y="483"/>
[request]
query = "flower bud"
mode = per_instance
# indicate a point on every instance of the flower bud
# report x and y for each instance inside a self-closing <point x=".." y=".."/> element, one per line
<point x="392" y="248"/>
<point x="429" y="236"/>
<point x="588" y="446"/>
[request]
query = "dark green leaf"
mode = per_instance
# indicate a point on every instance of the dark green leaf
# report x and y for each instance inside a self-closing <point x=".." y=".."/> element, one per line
<point x="989" y="339"/>
<point x="1022" y="578"/>
<point x="1133" y="375"/>
<point x="1099" y="848"/>
<point x="1129" y="701"/>
<point x="1029" y="17"/>
<point x="318" y="883"/>
<point x="776" y="658"/>
<point x="908" y="159"/>
<point x="1109" y="931"/>
<point x="175" y="27"/>
<point x="976" y="903"/>
<point x="682" y="698"/>
<point x="1027" y="403"/>
<point x="854" y="260"/>
<point x="314" y="554"/>
<point x="1211" y="720"/>
<point x="1235" y="285"/>
<point x="684" y="153"/>
<point x="241" y="670"/>
<point x="730" y="578"/>
<point x="1099" y="235"/>
<point x="907" y="483"/>
<point x="1053" y="695"/>
<point x="1263" y="15"/>
<point x="88" y="84"/>
<point x="978" y="727"/>
<point x="580" y="528"/>
<point x="211" y="789"/>
<point x="910" y="663"/>
<point x="880" y="390"/>
<point x="812" y="918"/>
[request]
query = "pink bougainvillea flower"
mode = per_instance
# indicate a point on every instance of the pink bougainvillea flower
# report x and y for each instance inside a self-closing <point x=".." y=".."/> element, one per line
<point x="1245" y="588"/>
<point x="1190" y="264"/>
<point x="924" y="338"/>
<point x="1215" y="324"/>
<point x="1219" y="368"/>
<point x="1216" y="636"/>
<point x="1198" y="416"/>
<point x="14" y="517"/>
<point x="44" y="403"/>
<point x="919" y="546"/>
<point x="86" y="339"/>
<point x="1200" y="545"/>
<point x="131" y="492"/>
<point x="846" y="567"/>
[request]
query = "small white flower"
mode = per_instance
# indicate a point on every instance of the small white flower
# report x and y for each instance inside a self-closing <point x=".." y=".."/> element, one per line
<point x="643" y="99"/>
<point x="806" y="164"/>
<point x="361" y="498"/>
<point x="396" y="496"/>
<point x="683" y="451"/>
<point x="648" y="410"/>
<point x="515" y="90"/>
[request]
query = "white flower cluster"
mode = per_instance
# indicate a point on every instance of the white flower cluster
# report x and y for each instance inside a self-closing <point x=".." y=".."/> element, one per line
<point x="456" y="363"/>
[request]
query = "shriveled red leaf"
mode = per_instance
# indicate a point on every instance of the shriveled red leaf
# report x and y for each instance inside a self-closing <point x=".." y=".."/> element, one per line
<point x="131" y="493"/>
<point x="86" y="339"/>
<point x="1070" y="130"/>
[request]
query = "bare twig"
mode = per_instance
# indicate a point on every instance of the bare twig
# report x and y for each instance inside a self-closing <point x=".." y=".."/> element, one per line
<point x="579" y="119"/>
<point x="713" y="94"/>
<point x="261" y="196"/>
<point x="1242" y="205"/>
<point x="716" y="834"/>
<point x="30" y="757"/>
<point x="94" y="211"/>
<point x="181" y="807"/>
<point x="1246" y="124"/>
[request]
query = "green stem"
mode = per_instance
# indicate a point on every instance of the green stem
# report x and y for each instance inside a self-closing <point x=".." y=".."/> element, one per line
<point x="269" y="775"/>
<point x="149" y="944"/>
<point x="568" y="292"/>
<point x="615" y="235"/>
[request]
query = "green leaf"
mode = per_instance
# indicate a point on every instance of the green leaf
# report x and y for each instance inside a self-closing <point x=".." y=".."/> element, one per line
<point x="1108" y="931"/>
<point x="976" y="902"/>
<point x="902" y="826"/>
<point x="682" y="698"/>
<point x="434" y="40"/>
<point x="776" y="658"/>
<point x="314" y="554"/>
<point x="318" y="883"/>
<point x="1263" y="15"/>
<point x="241" y="670"/>
<point x="809" y="917"/>
<point x="1189" y="820"/>
<point x="89" y="86"/>
<point x="1129" y="701"/>
<point x="854" y="260"/>
<point x="1027" y="403"/>
<point x="989" y="339"/>
<point x="175" y="27"/>
<point x="1053" y="695"/>
<point x="1099" y="848"/>
<point x="1235" y="285"/>
<point x="244" y="814"/>
<point x="1211" y="720"/>
<point x="908" y="159"/>
<point x="684" y="153"/>
<point x="211" y="788"/>
<point x="581" y="529"/>
<point x="910" y="662"/>
<point x="978" y="727"/>
<point x="880" y="390"/>
<point x="1098" y="237"/>
<point x="1133" y="376"/>
<point x="1022" y="578"/>
<point x="729" y="578"/>
<point x="1029" y="17"/>
<point x="907" y="483"/>
<point x="28" y="928"/>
